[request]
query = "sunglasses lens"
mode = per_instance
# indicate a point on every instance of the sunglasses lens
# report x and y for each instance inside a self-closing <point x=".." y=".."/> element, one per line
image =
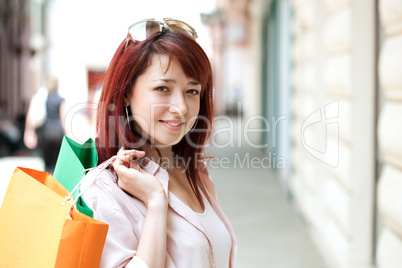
<point x="142" y="30"/>
<point x="181" y="27"/>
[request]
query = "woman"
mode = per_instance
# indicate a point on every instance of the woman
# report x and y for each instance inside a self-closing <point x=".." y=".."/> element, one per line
<point x="49" y="135"/>
<point x="155" y="114"/>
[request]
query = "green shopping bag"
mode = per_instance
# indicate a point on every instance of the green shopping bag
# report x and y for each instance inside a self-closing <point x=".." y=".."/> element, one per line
<point x="73" y="159"/>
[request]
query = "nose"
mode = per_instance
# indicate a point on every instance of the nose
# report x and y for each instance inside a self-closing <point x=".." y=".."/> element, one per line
<point x="178" y="104"/>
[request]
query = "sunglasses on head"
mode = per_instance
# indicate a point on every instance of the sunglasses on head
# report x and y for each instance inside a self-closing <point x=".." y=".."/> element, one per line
<point x="141" y="30"/>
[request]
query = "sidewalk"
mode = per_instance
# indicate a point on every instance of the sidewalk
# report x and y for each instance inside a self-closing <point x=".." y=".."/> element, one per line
<point x="269" y="231"/>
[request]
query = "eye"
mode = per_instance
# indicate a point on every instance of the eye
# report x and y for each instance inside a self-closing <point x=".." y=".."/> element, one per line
<point x="193" y="92"/>
<point x="162" y="89"/>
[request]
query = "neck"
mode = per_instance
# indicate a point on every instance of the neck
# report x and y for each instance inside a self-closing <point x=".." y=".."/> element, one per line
<point x="167" y="161"/>
<point x="165" y="153"/>
<point x="163" y="156"/>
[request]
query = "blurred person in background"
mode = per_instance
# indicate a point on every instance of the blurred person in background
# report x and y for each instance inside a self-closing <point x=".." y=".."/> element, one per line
<point x="44" y="127"/>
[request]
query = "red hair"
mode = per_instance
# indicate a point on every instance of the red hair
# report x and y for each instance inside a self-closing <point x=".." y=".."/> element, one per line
<point x="113" y="130"/>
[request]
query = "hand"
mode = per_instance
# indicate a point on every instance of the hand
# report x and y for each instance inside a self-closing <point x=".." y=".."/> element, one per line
<point x="136" y="181"/>
<point x="30" y="139"/>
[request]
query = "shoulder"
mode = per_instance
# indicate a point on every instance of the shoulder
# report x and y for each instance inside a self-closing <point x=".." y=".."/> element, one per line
<point x="97" y="186"/>
<point x="102" y="194"/>
<point x="96" y="180"/>
<point x="100" y="190"/>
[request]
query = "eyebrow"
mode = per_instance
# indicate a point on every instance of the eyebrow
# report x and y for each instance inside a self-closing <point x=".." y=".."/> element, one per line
<point x="173" y="81"/>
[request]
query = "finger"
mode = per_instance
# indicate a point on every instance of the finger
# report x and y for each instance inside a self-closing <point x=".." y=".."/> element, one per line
<point x="123" y="170"/>
<point x="131" y="153"/>
<point x="135" y="153"/>
<point x="125" y="160"/>
<point x="135" y="166"/>
<point x="128" y="155"/>
<point x="121" y="158"/>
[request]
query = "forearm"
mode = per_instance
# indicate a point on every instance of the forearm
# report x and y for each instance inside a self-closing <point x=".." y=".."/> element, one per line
<point x="152" y="244"/>
<point x="28" y="121"/>
<point x="147" y="188"/>
<point x="62" y="111"/>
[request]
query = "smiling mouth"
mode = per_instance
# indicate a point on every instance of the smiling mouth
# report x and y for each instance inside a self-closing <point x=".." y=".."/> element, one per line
<point x="173" y="124"/>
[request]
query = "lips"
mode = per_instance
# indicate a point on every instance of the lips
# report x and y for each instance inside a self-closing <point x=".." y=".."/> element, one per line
<point x="172" y="124"/>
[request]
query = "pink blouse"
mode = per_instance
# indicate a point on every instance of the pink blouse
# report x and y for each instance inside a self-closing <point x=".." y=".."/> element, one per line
<point x="188" y="244"/>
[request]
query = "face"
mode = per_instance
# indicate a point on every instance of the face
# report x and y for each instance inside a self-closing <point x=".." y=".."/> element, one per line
<point x="164" y="102"/>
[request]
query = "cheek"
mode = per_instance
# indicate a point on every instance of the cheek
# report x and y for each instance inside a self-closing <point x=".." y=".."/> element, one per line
<point x="192" y="114"/>
<point x="140" y="105"/>
<point x="146" y="115"/>
<point x="140" y="115"/>
<point x="195" y="108"/>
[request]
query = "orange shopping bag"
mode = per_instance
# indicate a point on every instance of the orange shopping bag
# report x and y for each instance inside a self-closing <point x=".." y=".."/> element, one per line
<point x="38" y="229"/>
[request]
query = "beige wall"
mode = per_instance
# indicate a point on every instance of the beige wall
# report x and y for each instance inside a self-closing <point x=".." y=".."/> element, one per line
<point x="389" y="247"/>
<point x="334" y="127"/>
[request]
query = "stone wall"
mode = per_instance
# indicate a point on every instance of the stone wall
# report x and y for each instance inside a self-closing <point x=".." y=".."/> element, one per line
<point x="389" y="246"/>
<point x="334" y="129"/>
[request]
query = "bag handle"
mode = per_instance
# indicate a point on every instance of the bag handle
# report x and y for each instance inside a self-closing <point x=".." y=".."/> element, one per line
<point x="92" y="180"/>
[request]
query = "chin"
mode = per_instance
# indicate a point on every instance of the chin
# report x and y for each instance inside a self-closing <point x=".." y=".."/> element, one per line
<point x="168" y="142"/>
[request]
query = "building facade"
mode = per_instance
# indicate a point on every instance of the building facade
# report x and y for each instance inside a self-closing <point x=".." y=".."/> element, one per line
<point x="15" y="56"/>
<point x="325" y="73"/>
<point x="389" y="129"/>
<point x="334" y="107"/>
